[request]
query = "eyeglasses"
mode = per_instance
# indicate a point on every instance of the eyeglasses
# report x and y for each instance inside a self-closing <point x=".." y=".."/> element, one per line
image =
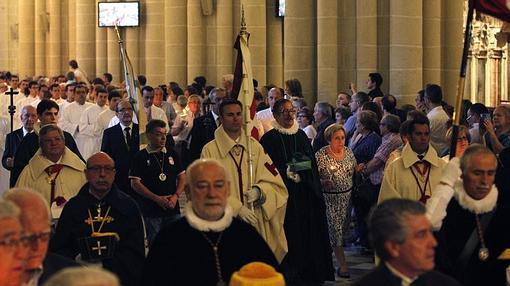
<point x="463" y="138"/>
<point x="126" y="109"/>
<point x="34" y="238"/>
<point x="10" y="243"/>
<point x="288" y="111"/>
<point x="98" y="169"/>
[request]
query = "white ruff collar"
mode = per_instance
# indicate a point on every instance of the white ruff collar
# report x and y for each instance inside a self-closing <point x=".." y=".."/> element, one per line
<point x="484" y="205"/>
<point x="288" y="131"/>
<point x="205" y="225"/>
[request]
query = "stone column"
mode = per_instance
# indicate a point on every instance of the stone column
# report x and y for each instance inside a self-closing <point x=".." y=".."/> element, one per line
<point x="220" y="37"/>
<point x="13" y="36"/>
<point x="274" y="50"/>
<point x="255" y="15"/>
<point x="175" y="41"/>
<point x="54" y="41"/>
<point x="327" y="50"/>
<point x="113" y="56"/>
<point x="4" y="45"/>
<point x="154" y="41"/>
<point x="71" y="24"/>
<point x="300" y="54"/>
<point x="366" y="40"/>
<point x="432" y="41"/>
<point x="346" y="44"/>
<point x="85" y="36"/>
<point x="133" y="48"/>
<point x="41" y="28"/>
<point x="196" y="54"/>
<point x="405" y="49"/>
<point x="451" y="51"/>
<point x="101" y="49"/>
<point x="26" y="56"/>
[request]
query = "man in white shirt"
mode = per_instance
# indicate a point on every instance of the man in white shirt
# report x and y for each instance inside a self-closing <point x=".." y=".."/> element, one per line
<point x="70" y="120"/>
<point x="152" y="111"/>
<point x="5" y="101"/>
<point x="33" y="96"/>
<point x="265" y="116"/>
<point x="437" y="117"/>
<point x="90" y="141"/>
<point x="69" y="92"/>
<point x="104" y="118"/>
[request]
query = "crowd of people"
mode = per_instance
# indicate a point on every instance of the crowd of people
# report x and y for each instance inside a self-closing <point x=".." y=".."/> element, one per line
<point x="192" y="199"/>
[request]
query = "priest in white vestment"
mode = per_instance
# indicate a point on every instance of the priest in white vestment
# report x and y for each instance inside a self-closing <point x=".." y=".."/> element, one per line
<point x="90" y="139"/>
<point x="70" y="116"/>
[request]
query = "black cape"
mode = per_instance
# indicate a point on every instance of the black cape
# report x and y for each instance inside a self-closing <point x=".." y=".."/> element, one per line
<point x="180" y="255"/>
<point x="455" y="231"/>
<point x="129" y="256"/>
<point x="309" y="257"/>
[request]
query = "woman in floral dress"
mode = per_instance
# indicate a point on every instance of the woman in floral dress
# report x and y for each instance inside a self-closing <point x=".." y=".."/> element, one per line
<point x="336" y="165"/>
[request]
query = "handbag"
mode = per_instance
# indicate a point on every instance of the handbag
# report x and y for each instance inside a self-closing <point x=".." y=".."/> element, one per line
<point x="363" y="189"/>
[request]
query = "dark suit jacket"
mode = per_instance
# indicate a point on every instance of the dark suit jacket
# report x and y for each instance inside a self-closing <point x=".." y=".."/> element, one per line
<point x="11" y="144"/>
<point x="319" y="141"/>
<point x="382" y="276"/>
<point x="52" y="264"/>
<point x="376" y="92"/>
<point x="27" y="149"/>
<point x="115" y="145"/>
<point x="201" y="134"/>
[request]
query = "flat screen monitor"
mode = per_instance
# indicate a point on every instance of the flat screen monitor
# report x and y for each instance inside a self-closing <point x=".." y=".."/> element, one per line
<point x="125" y="14"/>
<point x="280" y="8"/>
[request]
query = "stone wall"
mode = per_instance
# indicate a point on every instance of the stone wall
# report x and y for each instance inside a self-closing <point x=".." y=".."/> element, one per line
<point x="326" y="44"/>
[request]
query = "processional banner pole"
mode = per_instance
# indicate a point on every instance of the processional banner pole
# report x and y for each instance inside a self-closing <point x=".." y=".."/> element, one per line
<point x="461" y="83"/>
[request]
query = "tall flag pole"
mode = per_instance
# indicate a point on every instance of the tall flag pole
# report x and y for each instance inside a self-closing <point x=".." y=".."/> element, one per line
<point x="496" y="8"/>
<point x="462" y="80"/>
<point x="243" y="90"/>
<point x="134" y="95"/>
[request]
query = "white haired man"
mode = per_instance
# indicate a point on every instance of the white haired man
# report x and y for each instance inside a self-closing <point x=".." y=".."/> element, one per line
<point x="208" y="244"/>
<point x="471" y="220"/>
<point x="35" y="219"/>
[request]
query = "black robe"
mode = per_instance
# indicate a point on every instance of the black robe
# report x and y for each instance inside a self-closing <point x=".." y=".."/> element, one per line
<point x="456" y="229"/>
<point x="180" y="255"/>
<point x="127" y="262"/>
<point x="309" y="257"/>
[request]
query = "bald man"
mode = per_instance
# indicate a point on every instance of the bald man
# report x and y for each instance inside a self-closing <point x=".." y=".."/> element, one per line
<point x="103" y="224"/>
<point x="35" y="220"/>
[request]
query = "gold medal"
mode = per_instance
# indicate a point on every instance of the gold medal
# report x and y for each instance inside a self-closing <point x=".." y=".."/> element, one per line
<point x="483" y="253"/>
<point x="162" y="177"/>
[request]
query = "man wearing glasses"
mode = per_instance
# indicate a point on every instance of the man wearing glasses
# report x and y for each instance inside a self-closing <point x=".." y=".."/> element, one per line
<point x="102" y="225"/>
<point x="35" y="219"/>
<point x="121" y="142"/>
<point x="12" y="252"/>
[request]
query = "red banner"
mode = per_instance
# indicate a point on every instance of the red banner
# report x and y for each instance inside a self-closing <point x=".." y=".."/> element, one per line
<point x="496" y="8"/>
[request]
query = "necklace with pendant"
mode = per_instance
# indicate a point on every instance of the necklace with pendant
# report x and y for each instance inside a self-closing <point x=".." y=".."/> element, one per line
<point x="237" y="149"/>
<point x="162" y="176"/>
<point x="483" y="252"/>
<point x="216" y="257"/>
